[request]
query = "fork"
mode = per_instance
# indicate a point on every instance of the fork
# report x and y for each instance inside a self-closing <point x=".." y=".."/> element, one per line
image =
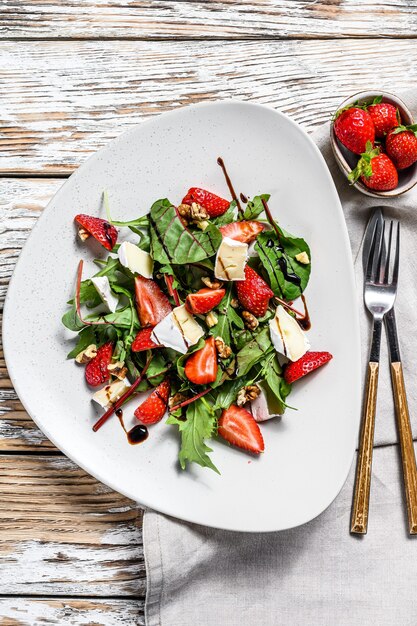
<point x="379" y="295"/>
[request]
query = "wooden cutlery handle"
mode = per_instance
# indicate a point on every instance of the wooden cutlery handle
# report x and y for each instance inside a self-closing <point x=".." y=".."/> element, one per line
<point x="407" y="447"/>
<point x="359" y="522"/>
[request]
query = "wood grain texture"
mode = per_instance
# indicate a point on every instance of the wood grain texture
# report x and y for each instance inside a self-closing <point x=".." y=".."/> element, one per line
<point x="70" y="612"/>
<point x="161" y="19"/>
<point x="63" y="533"/>
<point x="61" y="101"/>
<point x="21" y="202"/>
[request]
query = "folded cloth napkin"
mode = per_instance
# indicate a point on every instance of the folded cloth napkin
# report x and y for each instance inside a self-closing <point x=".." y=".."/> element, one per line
<point x="316" y="574"/>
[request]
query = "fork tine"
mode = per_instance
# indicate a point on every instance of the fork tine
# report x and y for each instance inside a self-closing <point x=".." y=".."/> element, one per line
<point x="380" y="266"/>
<point x="388" y="259"/>
<point x="397" y="258"/>
<point x="372" y="254"/>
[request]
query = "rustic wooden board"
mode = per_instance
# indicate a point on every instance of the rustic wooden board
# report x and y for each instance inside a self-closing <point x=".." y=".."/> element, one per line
<point x="159" y="19"/>
<point x="63" y="533"/>
<point x="66" y="99"/>
<point x="70" y="612"/>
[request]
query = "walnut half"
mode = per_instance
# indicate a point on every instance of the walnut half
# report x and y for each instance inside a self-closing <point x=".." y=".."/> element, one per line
<point x="248" y="393"/>
<point x="86" y="355"/>
<point x="250" y="320"/>
<point x="223" y="350"/>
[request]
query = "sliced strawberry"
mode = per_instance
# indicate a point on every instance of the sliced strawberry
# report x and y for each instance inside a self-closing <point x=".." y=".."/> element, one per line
<point x="96" y="372"/>
<point x="153" y="408"/>
<point x="204" y="300"/>
<point x="101" y="230"/>
<point x="213" y="204"/>
<point x="143" y="341"/>
<point x="239" y="428"/>
<point x="151" y="303"/>
<point x="308" y="363"/>
<point x="253" y="293"/>
<point x="245" y="231"/>
<point x="201" y="366"/>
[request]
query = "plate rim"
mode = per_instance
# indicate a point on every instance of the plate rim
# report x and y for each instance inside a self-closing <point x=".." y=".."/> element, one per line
<point x="350" y="281"/>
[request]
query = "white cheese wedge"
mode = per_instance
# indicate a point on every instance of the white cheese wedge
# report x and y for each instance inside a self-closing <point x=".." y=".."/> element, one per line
<point x="136" y="260"/>
<point x="111" y="393"/>
<point x="178" y="330"/>
<point x="102" y="285"/>
<point x="287" y="336"/>
<point x="265" y="406"/>
<point x="231" y="259"/>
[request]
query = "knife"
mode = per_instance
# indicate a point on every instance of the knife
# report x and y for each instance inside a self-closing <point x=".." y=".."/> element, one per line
<point x="398" y="385"/>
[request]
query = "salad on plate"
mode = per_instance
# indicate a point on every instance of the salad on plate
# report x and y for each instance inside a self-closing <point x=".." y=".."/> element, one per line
<point x="195" y="305"/>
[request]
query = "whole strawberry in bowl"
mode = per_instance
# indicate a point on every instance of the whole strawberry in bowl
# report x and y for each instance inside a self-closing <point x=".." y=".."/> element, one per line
<point x="375" y="145"/>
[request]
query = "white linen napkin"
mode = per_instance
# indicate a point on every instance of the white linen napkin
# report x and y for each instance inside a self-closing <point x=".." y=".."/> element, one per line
<point x="316" y="574"/>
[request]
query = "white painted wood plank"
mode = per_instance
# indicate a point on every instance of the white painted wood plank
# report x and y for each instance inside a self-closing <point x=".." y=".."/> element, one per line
<point x="159" y="19"/>
<point x="61" y="101"/>
<point x="63" y="533"/>
<point x="71" y="612"/>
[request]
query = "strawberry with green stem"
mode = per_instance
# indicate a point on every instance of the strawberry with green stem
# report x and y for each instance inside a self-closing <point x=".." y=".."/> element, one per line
<point x="375" y="169"/>
<point x="401" y="146"/>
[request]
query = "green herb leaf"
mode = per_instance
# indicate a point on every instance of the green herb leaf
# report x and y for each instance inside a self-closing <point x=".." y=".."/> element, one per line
<point x="199" y="425"/>
<point x="253" y="352"/>
<point x="255" y="207"/>
<point x="227" y="217"/>
<point x="71" y="320"/>
<point x="86" y="337"/>
<point x="280" y="263"/>
<point x="172" y="242"/>
<point x="227" y="318"/>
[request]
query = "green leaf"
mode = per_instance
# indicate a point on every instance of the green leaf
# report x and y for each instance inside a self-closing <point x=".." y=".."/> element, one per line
<point x="71" y="320"/>
<point x="288" y="278"/>
<point x="255" y="207"/>
<point x="227" y="393"/>
<point x="227" y="217"/>
<point x="276" y="383"/>
<point x="172" y="242"/>
<point x="86" y="337"/>
<point x="199" y="425"/>
<point x="227" y="318"/>
<point x="253" y="352"/>
<point x="109" y="267"/>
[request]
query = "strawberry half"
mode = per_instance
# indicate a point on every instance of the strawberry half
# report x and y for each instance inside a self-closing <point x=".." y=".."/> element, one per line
<point x="213" y="204"/>
<point x="253" y="293"/>
<point x="239" y="428"/>
<point x="204" y="300"/>
<point x="143" y="341"/>
<point x="245" y="231"/>
<point x="201" y="366"/>
<point x="308" y="363"/>
<point x="151" y="303"/>
<point x="100" y="229"/>
<point x="96" y="372"/>
<point x="153" y="409"/>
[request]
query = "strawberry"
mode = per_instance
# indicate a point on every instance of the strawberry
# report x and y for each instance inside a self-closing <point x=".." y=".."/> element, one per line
<point x="238" y="427"/>
<point x="213" y="204"/>
<point x="242" y="231"/>
<point x="253" y="293"/>
<point x="153" y="409"/>
<point x="101" y="230"/>
<point x="308" y="363"/>
<point x="385" y="116"/>
<point x="376" y="170"/>
<point x="151" y="303"/>
<point x="201" y="366"/>
<point x="204" y="300"/>
<point x="143" y="341"/>
<point x="401" y="146"/>
<point x="354" y="128"/>
<point x="96" y="372"/>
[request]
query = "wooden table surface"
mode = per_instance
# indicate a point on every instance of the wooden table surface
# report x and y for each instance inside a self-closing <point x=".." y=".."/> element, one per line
<point x="74" y="75"/>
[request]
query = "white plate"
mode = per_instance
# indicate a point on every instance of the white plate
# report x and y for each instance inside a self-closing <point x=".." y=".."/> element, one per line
<point x="309" y="451"/>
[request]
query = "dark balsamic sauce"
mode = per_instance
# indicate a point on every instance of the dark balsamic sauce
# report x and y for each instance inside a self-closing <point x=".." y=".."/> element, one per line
<point x="305" y="322"/>
<point x="243" y="198"/>
<point x="107" y="227"/>
<point x="229" y="184"/>
<point x="290" y="277"/>
<point x="135" y="435"/>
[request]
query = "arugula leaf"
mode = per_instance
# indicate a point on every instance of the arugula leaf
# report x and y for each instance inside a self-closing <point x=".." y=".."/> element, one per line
<point x="228" y="216"/>
<point x="71" y="320"/>
<point x="86" y="337"/>
<point x="227" y="393"/>
<point x="110" y="266"/>
<point x="276" y="383"/>
<point x="277" y="255"/>
<point x="253" y="352"/>
<point x="255" y="207"/>
<point x="199" y="425"/>
<point x="172" y="242"/>
<point x="227" y="318"/>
